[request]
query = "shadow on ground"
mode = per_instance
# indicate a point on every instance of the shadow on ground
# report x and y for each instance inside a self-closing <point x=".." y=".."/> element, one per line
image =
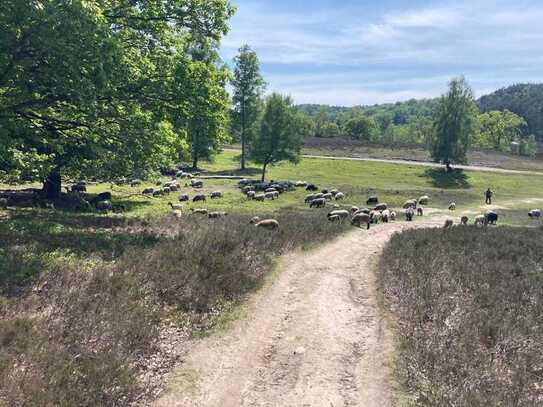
<point x="442" y="178"/>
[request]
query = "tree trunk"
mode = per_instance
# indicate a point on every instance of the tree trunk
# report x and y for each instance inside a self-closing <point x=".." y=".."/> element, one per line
<point x="264" y="171"/>
<point x="243" y="135"/>
<point x="448" y="165"/>
<point x="195" y="161"/>
<point x="52" y="186"/>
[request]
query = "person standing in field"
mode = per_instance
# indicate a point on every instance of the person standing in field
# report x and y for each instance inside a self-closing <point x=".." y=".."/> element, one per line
<point x="488" y="196"/>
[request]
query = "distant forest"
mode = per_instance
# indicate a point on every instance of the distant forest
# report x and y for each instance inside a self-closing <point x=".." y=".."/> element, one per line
<point x="518" y="109"/>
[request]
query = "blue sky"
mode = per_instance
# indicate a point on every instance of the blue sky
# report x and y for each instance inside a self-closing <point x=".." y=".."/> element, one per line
<point x="347" y="52"/>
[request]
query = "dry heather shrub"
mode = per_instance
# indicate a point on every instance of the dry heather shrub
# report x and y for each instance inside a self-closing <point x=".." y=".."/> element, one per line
<point x="469" y="303"/>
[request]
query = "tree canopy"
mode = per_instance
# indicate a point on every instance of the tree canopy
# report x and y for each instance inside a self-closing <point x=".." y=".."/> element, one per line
<point x="248" y="89"/>
<point x="88" y="87"/>
<point x="454" y="124"/>
<point x="281" y="133"/>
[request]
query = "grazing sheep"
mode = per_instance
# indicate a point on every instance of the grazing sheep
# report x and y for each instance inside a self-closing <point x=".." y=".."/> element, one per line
<point x="260" y="197"/>
<point x="376" y="217"/>
<point x="199" y="211"/>
<point x="328" y="196"/>
<point x="334" y="218"/>
<point x="464" y="220"/>
<point x="343" y="214"/>
<point x="175" y="207"/>
<point x="251" y="194"/>
<point x="198" y="198"/>
<point x="3" y="203"/>
<point x="312" y="188"/>
<point x="270" y="190"/>
<point x="393" y="216"/>
<point x="271" y="195"/>
<point x="158" y="192"/>
<point x="247" y="189"/>
<point x="448" y="224"/>
<point x="363" y="210"/>
<point x="409" y="214"/>
<point x="300" y="184"/>
<point x="452" y="206"/>
<point x="339" y="196"/>
<point x="104" y="206"/>
<point x="254" y="220"/>
<point x="411" y="203"/>
<point x="424" y="200"/>
<point x="197" y="184"/>
<point x="148" y="191"/>
<point x="535" y="213"/>
<point x="216" y="215"/>
<point x="270" y="224"/>
<point x="381" y="207"/>
<point x="491" y="218"/>
<point x="420" y="211"/>
<point x="184" y="198"/>
<point x="360" y="219"/>
<point x="354" y="209"/>
<point x="181" y="174"/>
<point x="135" y="183"/>
<point x="216" y="195"/>
<point x="166" y="190"/>
<point x="318" y="203"/>
<point x="334" y="192"/>
<point x="309" y="198"/>
<point x="372" y="200"/>
<point x="480" y="220"/>
<point x="385" y="216"/>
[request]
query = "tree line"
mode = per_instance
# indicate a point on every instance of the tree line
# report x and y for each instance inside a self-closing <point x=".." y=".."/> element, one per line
<point x="412" y="123"/>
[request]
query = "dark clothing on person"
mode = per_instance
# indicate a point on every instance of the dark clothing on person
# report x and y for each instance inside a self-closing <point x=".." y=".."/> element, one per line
<point x="488" y="195"/>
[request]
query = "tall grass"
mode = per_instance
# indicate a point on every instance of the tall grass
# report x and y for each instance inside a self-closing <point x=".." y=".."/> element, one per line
<point x="78" y="323"/>
<point x="469" y="304"/>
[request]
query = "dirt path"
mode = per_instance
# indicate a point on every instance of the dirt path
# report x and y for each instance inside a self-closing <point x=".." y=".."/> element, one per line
<point x="313" y="337"/>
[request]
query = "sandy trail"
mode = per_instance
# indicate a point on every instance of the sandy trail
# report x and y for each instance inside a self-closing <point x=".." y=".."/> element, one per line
<point x="313" y="337"/>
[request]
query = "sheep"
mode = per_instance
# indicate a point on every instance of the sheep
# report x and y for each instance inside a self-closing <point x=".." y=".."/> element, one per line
<point x="491" y="218"/>
<point x="328" y="196"/>
<point x="411" y="203"/>
<point x="3" y="203"/>
<point x="268" y="190"/>
<point x="409" y="214"/>
<point x="363" y="210"/>
<point x="254" y="220"/>
<point x="424" y="200"/>
<point x="104" y="206"/>
<point x="393" y="216"/>
<point x="385" y="215"/>
<point x="420" y="211"/>
<point x="216" y="215"/>
<point x="464" y="220"/>
<point x="216" y="195"/>
<point x="312" y="188"/>
<point x="175" y="207"/>
<point x="535" y="213"/>
<point x="300" y="184"/>
<point x="196" y="184"/>
<point x="339" y="196"/>
<point x="334" y="218"/>
<point x="148" y="191"/>
<point x="334" y="192"/>
<point x="270" y="224"/>
<point x="198" y="198"/>
<point x="184" y="198"/>
<point x="309" y="198"/>
<point x="318" y="203"/>
<point x="375" y="217"/>
<point x="251" y="194"/>
<point x="271" y="195"/>
<point x="180" y="174"/>
<point x="135" y="183"/>
<point x="158" y="192"/>
<point x="361" y="218"/>
<point x="166" y="190"/>
<point x="448" y="224"/>
<point x="452" y="206"/>
<point x="381" y="207"/>
<point x="198" y="211"/>
<point x="260" y="197"/>
<point x="372" y="200"/>
<point x="354" y="209"/>
<point x="480" y="220"/>
<point x="343" y="214"/>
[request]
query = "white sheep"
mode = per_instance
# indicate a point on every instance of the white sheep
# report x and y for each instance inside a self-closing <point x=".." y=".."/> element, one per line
<point x="254" y="220"/>
<point x="361" y="218"/>
<point x="535" y="213"/>
<point x="480" y="220"/>
<point x="260" y="198"/>
<point x="270" y="224"/>
<point x="343" y="214"/>
<point x="216" y="195"/>
<point x="339" y="196"/>
<point x="199" y="211"/>
<point x="424" y="200"/>
<point x="393" y="216"/>
<point x="452" y="206"/>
